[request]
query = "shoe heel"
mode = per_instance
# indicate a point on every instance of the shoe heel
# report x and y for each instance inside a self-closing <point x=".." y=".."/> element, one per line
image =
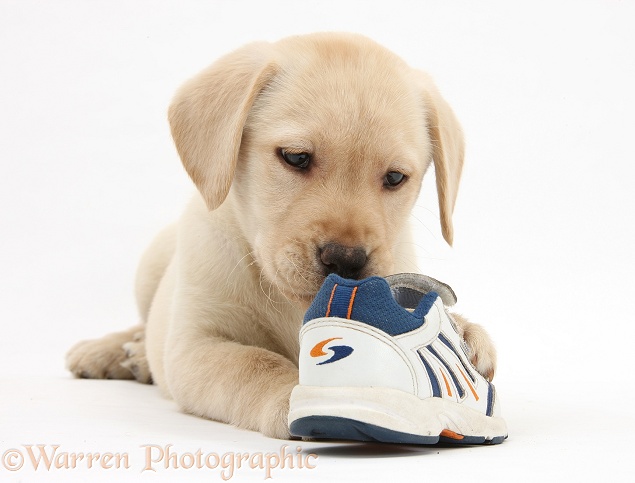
<point x="387" y="415"/>
<point x="358" y="413"/>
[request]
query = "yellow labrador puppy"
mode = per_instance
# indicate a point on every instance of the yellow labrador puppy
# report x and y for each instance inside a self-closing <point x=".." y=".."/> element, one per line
<point x="308" y="155"/>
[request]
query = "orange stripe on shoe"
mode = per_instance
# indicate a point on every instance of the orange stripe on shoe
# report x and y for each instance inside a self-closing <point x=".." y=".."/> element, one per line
<point x="446" y="433"/>
<point x="447" y="384"/>
<point x="468" y="383"/>
<point x="318" y="349"/>
<point x="350" y="304"/>
<point x="328" y="308"/>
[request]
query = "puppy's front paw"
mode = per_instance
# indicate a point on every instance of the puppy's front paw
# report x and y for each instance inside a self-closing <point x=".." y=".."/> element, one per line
<point x="275" y="418"/>
<point x="482" y="350"/>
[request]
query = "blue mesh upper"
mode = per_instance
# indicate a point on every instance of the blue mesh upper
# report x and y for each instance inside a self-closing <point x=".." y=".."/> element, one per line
<point x="373" y="304"/>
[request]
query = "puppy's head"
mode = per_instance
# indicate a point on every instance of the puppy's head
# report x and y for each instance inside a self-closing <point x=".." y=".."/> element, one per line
<point x="321" y="142"/>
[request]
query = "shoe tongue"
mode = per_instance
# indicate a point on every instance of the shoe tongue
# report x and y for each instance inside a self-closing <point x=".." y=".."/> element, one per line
<point x="408" y="289"/>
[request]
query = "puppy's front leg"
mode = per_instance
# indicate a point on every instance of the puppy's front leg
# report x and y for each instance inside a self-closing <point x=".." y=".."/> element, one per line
<point x="226" y="381"/>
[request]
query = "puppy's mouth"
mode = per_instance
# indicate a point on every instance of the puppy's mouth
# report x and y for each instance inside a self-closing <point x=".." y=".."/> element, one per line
<point x="298" y="285"/>
<point x="298" y="271"/>
<point x="304" y="299"/>
<point x="301" y="286"/>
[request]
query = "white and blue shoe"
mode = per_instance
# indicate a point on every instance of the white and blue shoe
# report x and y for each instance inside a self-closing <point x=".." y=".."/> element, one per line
<point x="381" y="360"/>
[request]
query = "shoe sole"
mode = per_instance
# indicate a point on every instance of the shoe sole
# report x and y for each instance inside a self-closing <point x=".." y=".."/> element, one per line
<point x="388" y="416"/>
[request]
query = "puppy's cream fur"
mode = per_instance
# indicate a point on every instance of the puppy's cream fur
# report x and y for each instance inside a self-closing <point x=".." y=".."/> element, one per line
<point x="223" y="291"/>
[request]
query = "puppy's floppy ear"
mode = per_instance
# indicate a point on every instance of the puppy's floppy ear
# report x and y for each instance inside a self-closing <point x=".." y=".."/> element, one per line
<point x="448" y="150"/>
<point x="208" y="114"/>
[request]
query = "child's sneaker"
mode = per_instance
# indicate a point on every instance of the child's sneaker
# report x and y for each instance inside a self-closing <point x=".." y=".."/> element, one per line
<point x="381" y="360"/>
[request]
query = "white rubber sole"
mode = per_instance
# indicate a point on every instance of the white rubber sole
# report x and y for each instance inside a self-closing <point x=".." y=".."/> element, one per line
<point x="388" y="415"/>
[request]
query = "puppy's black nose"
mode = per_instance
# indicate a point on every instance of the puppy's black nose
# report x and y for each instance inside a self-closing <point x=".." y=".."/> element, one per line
<point x="347" y="262"/>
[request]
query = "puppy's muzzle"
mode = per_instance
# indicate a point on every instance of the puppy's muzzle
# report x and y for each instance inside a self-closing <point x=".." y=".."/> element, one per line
<point x="347" y="262"/>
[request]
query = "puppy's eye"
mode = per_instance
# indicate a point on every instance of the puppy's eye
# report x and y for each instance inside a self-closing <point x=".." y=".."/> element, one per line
<point x="297" y="160"/>
<point x="394" y="178"/>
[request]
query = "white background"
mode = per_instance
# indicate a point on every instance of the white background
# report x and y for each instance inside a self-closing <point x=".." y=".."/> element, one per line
<point x="543" y="223"/>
